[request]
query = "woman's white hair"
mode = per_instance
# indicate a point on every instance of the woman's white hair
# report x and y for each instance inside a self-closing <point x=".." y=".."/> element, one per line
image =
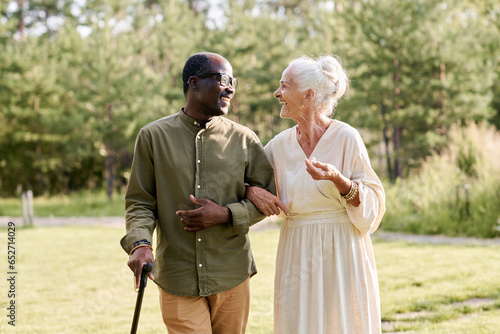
<point x="325" y="76"/>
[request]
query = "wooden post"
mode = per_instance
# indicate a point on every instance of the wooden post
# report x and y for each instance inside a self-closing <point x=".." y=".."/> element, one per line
<point x="24" y="199"/>
<point x="27" y="200"/>
<point x="30" y="207"/>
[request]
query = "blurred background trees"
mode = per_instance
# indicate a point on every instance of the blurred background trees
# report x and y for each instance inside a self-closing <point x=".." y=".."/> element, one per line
<point x="78" y="78"/>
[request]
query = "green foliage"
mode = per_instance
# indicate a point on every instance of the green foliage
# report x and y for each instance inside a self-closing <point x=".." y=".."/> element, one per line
<point x="413" y="76"/>
<point x="455" y="193"/>
<point x="79" y="79"/>
<point x="36" y="138"/>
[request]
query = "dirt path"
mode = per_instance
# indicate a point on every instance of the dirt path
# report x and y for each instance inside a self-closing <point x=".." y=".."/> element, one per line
<point x="433" y="239"/>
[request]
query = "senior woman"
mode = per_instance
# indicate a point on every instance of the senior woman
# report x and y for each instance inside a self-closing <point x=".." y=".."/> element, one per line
<point x="326" y="278"/>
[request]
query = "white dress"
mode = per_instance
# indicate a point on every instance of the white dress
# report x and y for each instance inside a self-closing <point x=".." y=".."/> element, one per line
<point x="326" y="278"/>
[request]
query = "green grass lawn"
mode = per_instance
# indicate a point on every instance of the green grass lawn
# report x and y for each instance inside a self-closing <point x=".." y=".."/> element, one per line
<point x="87" y="204"/>
<point x="75" y="280"/>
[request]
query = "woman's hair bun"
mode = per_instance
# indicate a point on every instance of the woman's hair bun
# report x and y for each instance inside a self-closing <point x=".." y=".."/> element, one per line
<point x="325" y="75"/>
<point x="332" y="68"/>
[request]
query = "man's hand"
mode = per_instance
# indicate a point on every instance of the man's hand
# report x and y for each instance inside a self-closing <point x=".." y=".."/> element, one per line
<point x="207" y="215"/>
<point x="137" y="260"/>
<point x="266" y="202"/>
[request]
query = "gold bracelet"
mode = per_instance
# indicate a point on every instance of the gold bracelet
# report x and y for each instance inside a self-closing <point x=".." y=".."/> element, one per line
<point x="351" y="190"/>
<point x="352" y="193"/>
<point x="139" y="246"/>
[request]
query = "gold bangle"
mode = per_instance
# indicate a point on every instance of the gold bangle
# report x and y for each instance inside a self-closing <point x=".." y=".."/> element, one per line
<point x="351" y="190"/>
<point x="352" y="193"/>
<point x="139" y="246"/>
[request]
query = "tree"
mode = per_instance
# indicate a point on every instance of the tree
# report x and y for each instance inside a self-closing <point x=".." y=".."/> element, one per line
<point x="407" y="69"/>
<point x="114" y="86"/>
<point x="73" y="102"/>
<point x="32" y="103"/>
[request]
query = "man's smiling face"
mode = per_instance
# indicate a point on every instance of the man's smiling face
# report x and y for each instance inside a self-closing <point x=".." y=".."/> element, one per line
<point x="214" y="98"/>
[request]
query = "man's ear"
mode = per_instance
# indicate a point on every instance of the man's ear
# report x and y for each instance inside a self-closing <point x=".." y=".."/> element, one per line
<point x="193" y="82"/>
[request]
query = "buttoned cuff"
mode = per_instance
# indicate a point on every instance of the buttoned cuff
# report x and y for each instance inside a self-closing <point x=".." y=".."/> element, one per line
<point x="241" y="218"/>
<point x="128" y="241"/>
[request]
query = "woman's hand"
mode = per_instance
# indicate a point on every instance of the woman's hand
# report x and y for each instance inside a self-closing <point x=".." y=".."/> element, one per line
<point x="266" y="202"/>
<point x="323" y="171"/>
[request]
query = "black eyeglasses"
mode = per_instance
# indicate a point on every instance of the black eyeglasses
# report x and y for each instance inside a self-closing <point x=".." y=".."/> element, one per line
<point x="223" y="79"/>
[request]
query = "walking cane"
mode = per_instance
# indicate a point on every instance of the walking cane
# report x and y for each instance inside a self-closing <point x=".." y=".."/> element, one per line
<point x="144" y="280"/>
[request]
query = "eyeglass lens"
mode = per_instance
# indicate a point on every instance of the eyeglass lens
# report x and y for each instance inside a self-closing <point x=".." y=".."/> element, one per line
<point x="227" y="80"/>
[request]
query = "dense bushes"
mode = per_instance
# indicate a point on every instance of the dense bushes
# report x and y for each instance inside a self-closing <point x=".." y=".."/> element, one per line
<point x="456" y="192"/>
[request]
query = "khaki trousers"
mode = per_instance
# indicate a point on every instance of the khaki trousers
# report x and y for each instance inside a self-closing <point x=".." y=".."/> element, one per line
<point x="222" y="313"/>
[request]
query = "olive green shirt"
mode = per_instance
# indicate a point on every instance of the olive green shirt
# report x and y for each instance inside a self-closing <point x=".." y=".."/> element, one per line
<point x="174" y="157"/>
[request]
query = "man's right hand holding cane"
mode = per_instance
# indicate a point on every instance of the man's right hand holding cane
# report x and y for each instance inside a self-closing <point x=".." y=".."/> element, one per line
<point x="138" y="258"/>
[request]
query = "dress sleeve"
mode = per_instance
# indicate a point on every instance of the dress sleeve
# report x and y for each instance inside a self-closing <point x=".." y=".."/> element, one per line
<point x="368" y="215"/>
<point x="140" y="198"/>
<point x="258" y="172"/>
<point x="269" y="152"/>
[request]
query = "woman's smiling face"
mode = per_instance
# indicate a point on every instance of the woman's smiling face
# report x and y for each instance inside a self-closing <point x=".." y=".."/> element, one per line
<point x="289" y="95"/>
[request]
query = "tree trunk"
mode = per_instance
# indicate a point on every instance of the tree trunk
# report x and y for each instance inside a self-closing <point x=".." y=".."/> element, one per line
<point x="397" y="128"/>
<point x="398" y="164"/>
<point x="21" y="26"/>
<point x="442" y="78"/>
<point x="109" y="158"/>
<point x="109" y="164"/>
<point x="38" y="145"/>
<point x="386" y="143"/>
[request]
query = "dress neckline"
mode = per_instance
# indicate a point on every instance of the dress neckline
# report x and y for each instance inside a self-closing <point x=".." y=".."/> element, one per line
<point x="296" y="140"/>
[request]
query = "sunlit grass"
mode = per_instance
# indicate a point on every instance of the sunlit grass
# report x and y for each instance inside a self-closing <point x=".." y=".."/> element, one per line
<point x="91" y="204"/>
<point x="425" y="277"/>
<point x="75" y="280"/>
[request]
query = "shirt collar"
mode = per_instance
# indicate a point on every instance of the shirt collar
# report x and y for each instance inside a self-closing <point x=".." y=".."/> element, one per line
<point x="194" y="123"/>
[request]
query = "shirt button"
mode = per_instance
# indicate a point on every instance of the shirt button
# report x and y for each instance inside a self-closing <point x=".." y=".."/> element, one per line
<point x="198" y="137"/>
<point x="195" y="123"/>
<point x="198" y="186"/>
<point x="200" y="265"/>
<point x="199" y="161"/>
<point x="199" y="239"/>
